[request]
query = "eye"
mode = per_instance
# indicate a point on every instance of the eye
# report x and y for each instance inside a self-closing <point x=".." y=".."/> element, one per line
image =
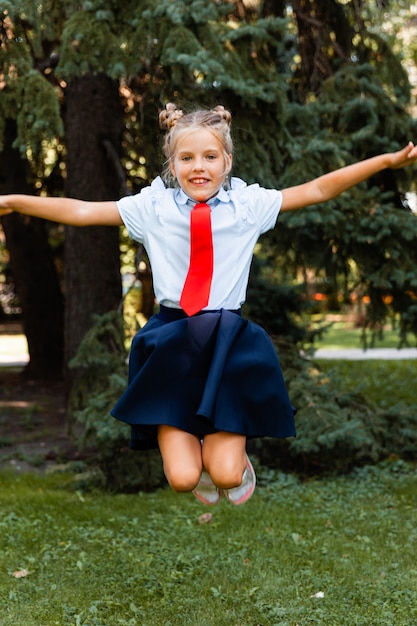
<point x="186" y="158"/>
<point x="211" y="156"/>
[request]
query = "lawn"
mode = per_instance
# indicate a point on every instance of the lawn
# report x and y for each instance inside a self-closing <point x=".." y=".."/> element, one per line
<point x="331" y="552"/>
<point x="344" y="334"/>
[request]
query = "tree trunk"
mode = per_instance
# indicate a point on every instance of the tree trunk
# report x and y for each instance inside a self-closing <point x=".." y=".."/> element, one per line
<point x="322" y="27"/>
<point x="34" y="273"/>
<point x="93" y="118"/>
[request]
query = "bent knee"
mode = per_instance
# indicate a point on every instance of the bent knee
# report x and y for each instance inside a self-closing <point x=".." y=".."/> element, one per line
<point x="184" y="479"/>
<point x="227" y="477"/>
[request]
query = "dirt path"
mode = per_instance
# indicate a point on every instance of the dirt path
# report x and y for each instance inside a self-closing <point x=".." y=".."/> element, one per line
<point x="33" y="429"/>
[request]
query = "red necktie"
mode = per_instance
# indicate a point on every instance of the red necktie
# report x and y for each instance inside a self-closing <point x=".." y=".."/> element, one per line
<point x="196" y="290"/>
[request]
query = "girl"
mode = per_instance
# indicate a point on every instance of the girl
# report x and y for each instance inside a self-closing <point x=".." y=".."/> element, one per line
<point x="202" y="379"/>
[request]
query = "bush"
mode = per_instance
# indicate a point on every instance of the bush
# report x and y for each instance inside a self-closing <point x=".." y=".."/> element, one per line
<point x="337" y="429"/>
<point x="102" y="359"/>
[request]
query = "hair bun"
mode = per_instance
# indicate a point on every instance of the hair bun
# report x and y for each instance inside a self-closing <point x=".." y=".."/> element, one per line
<point x="224" y="114"/>
<point x="169" y="116"/>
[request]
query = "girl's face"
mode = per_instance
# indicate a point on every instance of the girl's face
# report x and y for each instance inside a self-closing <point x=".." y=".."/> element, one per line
<point x="200" y="164"/>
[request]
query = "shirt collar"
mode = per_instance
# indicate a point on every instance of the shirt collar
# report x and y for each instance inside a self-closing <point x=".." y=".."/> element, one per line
<point x="182" y="199"/>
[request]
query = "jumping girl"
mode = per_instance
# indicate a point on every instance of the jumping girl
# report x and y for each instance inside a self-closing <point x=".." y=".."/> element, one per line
<point x="201" y="378"/>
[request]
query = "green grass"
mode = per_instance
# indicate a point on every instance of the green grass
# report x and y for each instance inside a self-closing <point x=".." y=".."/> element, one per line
<point x="103" y="560"/>
<point x="344" y="335"/>
<point x="97" y="559"/>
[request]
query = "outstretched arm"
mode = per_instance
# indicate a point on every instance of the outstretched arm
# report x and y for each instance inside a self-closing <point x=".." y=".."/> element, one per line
<point x="63" y="210"/>
<point x="331" y="185"/>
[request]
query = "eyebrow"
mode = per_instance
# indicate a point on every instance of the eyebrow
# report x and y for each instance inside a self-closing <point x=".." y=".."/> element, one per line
<point x="205" y="150"/>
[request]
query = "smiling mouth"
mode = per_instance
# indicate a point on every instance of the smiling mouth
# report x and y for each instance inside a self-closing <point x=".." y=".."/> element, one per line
<point x="199" y="181"/>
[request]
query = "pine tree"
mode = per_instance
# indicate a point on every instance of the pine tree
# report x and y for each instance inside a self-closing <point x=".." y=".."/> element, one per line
<point x="311" y="86"/>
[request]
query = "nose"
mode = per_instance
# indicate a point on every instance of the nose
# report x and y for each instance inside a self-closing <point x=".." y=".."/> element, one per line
<point x="198" y="164"/>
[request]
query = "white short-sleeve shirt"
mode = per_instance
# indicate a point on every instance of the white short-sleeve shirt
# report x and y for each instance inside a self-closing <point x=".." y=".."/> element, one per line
<point x="159" y="217"/>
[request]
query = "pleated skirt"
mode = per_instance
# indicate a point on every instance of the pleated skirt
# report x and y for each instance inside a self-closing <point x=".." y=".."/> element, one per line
<point x="214" y="371"/>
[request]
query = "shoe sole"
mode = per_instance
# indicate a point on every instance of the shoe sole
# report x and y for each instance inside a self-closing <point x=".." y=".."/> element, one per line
<point x="245" y="497"/>
<point x="209" y="484"/>
<point x="204" y="500"/>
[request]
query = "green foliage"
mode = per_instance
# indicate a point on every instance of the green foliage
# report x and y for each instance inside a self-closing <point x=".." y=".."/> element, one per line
<point x="362" y="238"/>
<point x="101" y="361"/>
<point x="278" y="308"/>
<point x="100" y="355"/>
<point x="194" y="48"/>
<point x="387" y="384"/>
<point x="391" y="71"/>
<point x="26" y="95"/>
<point x="330" y="551"/>
<point x="339" y="426"/>
<point x="14" y="56"/>
<point x="342" y="423"/>
<point x="91" y="43"/>
<point x="38" y="120"/>
<point x="286" y="130"/>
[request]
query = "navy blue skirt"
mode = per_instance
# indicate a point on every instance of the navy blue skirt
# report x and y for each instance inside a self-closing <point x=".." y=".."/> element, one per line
<point x="214" y="371"/>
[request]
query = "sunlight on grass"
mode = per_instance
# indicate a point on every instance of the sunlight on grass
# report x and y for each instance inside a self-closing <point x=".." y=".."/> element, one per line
<point x="342" y="335"/>
<point x="335" y="551"/>
<point x="13" y="344"/>
<point x="17" y="404"/>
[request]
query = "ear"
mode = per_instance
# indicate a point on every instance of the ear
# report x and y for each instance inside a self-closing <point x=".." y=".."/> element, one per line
<point x="172" y="168"/>
<point x="228" y="162"/>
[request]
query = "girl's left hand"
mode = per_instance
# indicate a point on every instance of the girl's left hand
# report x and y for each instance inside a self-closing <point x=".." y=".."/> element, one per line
<point x="406" y="156"/>
<point x="4" y="210"/>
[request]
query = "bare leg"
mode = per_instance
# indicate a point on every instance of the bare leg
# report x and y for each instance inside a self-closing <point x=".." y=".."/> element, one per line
<point x="181" y="455"/>
<point x="224" y="458"/>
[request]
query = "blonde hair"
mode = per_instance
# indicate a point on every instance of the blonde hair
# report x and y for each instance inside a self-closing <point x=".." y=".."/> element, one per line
<point x="176" y="123"/>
